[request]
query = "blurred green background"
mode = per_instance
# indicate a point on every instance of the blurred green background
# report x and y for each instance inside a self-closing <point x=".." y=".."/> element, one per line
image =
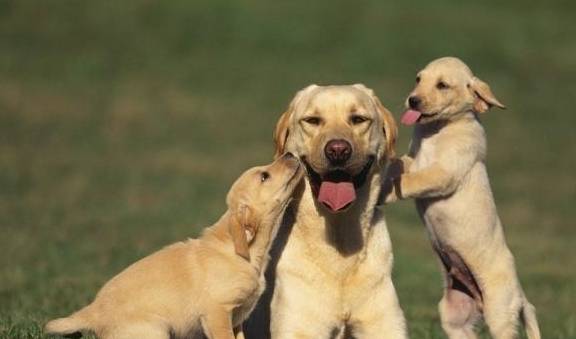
<point x="123" y="123"/>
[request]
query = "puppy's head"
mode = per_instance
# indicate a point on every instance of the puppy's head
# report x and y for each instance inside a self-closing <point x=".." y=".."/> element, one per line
<point x="446" y="89"/>
<point x="341" y="133"/>
<point x="258" y="199"/>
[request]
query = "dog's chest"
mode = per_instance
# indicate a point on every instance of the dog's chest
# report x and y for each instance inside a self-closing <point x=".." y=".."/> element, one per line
<point x="424" y="152"/>
<point x="244" y="310"/>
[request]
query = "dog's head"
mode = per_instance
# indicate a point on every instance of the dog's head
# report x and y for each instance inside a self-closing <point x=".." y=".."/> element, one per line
<point x="258" y="199"/>
<point x="341" y="133"/>
<point x="445" y="89"/>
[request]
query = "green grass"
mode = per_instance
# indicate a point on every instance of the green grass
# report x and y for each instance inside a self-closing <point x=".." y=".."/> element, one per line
<point x="122" y="125"/>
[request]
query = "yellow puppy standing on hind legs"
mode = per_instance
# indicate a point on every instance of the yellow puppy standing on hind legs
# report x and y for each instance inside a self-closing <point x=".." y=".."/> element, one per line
<point x="445" y="173"/>
<point x="211" y="283"/>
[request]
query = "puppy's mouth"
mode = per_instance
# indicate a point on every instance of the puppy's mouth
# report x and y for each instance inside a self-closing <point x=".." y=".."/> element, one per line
<point x="412" y="116"/>
<point x="337" y="189"/>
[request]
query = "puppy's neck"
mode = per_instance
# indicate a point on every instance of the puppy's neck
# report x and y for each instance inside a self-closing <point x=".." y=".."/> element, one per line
<point x="435" y="127"/>
<point x="258" y="246"/>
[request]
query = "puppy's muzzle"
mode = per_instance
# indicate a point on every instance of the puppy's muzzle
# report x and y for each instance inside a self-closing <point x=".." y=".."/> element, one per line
<point x="414" y="102"/>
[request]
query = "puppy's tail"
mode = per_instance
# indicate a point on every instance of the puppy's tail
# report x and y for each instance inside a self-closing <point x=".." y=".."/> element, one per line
<point x="528" y="316"/>
<point x="69" y="327"/>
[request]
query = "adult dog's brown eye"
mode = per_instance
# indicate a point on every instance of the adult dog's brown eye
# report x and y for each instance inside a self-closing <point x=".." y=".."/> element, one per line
<point x="442" y="85"/>
<point x="264" y="176"/>
<point x="357" y="119"/>
<point x="312" y="120"/>
<point x="418" y="79"/>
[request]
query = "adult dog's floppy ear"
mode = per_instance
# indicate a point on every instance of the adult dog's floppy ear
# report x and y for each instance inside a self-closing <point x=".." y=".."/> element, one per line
<point x="484" y="98"/>
<point x="282" y="130"/>
<point x="242" y="230"/>
<point x="281" y="133"/>
<point x="389" y="126"/>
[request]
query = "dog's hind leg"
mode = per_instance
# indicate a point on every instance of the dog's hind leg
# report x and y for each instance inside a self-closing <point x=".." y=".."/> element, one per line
<point x="502" y="312"/>
<point x="458" y="313"/>
<point x="461" y="305"/>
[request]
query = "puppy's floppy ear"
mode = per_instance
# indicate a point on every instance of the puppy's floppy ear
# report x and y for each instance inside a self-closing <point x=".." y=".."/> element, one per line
<point x="389" y="124"/>
<point x="282" y="130"/>
<point x="242" y="230"/>
<point x="484" y="96"/>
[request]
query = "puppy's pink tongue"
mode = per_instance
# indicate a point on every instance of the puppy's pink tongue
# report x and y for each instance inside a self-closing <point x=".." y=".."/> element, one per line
<point x="336" y="195"/>
<point x="410" y="117"/>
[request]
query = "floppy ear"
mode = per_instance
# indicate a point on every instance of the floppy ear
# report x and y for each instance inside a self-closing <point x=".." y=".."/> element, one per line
<point x="389" y="124"/>
<point x="283" y="125"/>
<point x="484" y="96"/>
<point x="242" y="231"/>
<point x="390" y="128"/>
<point x="281" y="133"/>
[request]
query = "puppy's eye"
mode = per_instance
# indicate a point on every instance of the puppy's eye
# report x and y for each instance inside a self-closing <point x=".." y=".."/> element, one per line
<point x="418" y="79"/>
<point x="312" y="121"/>
<point x="442" y="85"/>
<point x="357" y="119"/>
<point x="264" y="176"/>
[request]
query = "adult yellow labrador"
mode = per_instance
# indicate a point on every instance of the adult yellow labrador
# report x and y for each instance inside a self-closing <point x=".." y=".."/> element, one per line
<point x="210" y="284"/>
<point x="333" y="265"/>
<point x="445" y="172"/>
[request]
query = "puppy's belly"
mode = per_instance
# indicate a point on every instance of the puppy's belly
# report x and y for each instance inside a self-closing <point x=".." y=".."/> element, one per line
<point x="467" y="225"/>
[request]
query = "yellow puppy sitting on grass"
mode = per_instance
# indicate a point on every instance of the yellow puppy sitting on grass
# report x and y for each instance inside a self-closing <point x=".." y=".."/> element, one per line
<point x="445" y="173"/>
<point x="210" y="284"/>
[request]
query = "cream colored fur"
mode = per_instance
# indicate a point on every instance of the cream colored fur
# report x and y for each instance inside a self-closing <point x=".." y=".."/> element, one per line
<point x="445" y="172"/>
<point x="335" y="268"/>
<point x="210" y="284"/>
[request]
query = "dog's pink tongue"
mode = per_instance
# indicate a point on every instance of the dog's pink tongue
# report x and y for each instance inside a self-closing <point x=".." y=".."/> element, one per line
<point x="336" y="195"/>
<point x="410" y="117"/>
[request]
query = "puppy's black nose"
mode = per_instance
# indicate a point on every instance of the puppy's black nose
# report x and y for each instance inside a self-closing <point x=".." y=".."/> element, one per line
<point x="288" y="155"/>
<point x="414" y="102"/>
<point x="338" y="151"/>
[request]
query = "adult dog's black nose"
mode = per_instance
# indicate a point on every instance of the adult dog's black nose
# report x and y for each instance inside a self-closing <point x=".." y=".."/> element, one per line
<point x="338" y="151"/>
<point x="414" y="102"/>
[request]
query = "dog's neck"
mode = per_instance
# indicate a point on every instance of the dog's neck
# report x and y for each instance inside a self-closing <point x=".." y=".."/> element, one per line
<point x="437" y="126"/>
<point x="348" y="231"/>
<point x="258" y="247"/>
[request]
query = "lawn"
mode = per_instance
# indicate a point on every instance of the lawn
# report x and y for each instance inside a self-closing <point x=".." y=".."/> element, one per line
<point x="122" y="125"/>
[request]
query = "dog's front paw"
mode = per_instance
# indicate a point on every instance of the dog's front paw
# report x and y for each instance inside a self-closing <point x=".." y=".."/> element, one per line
<point x="395" y="169"/>
<point x="389" y="191"/>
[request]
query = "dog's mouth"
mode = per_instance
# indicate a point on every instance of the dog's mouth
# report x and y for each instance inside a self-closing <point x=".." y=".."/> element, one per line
<point x="337" y="189"/>
<point x="412" y="116"/>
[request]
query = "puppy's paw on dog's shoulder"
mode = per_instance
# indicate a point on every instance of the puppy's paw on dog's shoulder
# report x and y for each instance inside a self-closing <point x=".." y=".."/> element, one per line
<point x="388" y="194"/>
<point x="394" y="171"/>
<point x="396" y="168"/>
